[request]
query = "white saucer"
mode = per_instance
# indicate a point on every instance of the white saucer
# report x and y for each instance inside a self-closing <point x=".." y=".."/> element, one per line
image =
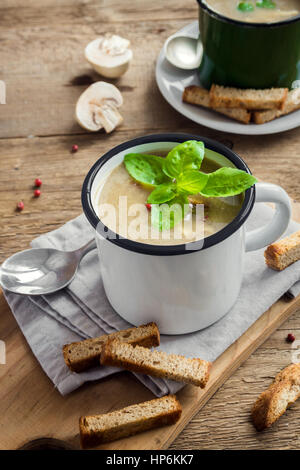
<point x="171" y="81"/>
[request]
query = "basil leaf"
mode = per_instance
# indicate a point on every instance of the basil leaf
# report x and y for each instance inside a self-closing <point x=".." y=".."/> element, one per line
<point x="162" y="193"/>
<point x="145" y="169"/>
<point x="245" y="6"/>
<point x="227" y="182"/>
<point x="166" y="216"/>
<point x="192" y="181"/>
<point x="266" y="4"/>
<point x="183" y="157"/>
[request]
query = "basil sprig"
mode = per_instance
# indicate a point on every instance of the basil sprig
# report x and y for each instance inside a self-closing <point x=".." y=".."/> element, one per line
<point x="163" y="193"/>
<point x="191" y="182"/>
<point x="248" y="6"/>
<point x="245" y="6"/>
<point x="166" y="216"/>
<point x="186" y="156"/>
<point x="178" y="175"/>
<point x="266" y="4"/>
<point x="146" y="169"/>
<point x="226" y="182"/>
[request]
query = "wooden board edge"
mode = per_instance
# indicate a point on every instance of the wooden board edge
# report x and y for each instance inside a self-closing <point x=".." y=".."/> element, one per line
<point x="192" y="398"/>
<point x="217" y="379"/>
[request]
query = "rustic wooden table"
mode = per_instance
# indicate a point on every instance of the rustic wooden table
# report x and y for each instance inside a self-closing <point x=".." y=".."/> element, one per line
<point x="42" y="64"/>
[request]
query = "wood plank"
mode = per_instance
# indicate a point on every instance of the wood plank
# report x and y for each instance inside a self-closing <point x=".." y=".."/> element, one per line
<point x="45" y="71"/>
<point x="224" y="421"/>
<point x="41" y="47"/>
<point x="99" y="12"/>
<point x="47" y="413"/>
<point x="62" y="173"/>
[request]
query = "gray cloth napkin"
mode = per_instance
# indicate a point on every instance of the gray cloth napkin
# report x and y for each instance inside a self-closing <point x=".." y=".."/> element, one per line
<point x="83" y="311"/>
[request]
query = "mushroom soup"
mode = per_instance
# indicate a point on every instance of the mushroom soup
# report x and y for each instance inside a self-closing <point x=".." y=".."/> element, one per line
<point x="261" y="11"/>
<point x="213" y="213"/>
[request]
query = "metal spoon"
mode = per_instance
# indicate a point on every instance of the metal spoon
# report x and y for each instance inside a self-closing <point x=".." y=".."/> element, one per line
<point x="184" y="52"/>
<point x="41" y="270"/>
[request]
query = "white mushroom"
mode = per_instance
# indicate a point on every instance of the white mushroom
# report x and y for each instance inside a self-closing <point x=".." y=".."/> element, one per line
<point x="97" y="107"/>
<point x="109" y="55"/>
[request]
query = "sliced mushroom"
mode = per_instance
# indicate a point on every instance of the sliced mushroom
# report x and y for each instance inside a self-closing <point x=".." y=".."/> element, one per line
<point x="97" y="107"/>
<point x="109" y="55"/>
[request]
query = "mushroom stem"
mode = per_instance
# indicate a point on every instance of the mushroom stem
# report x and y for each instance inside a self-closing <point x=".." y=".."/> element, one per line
<point x="109" y="117"/>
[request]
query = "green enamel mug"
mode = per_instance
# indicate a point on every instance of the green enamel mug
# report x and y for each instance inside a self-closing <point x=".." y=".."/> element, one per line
<point x="248" y="55"/>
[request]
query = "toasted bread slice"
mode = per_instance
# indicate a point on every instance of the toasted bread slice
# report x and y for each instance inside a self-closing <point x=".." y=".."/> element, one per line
<point x="199" y="96"/>
<point x="281" y="254"/>
<point x="291" y="104"/>
<point x="228" y="97"/>
<point x="194" y="94"/>
<point x="274" y="401"/>
<point x="261" y="117"/>
<point x="95" y="430"/>
<point x="237" y="114"/>
<point x="156" y="363"/>
<point x="83" y="355"/>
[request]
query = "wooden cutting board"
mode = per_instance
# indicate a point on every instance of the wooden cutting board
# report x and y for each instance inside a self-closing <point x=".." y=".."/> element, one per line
<point x="31" y="408"/>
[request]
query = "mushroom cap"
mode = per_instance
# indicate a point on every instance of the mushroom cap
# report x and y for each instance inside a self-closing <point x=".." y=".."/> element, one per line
<point x="96" y="96"/>
<point x="108" y="51"/>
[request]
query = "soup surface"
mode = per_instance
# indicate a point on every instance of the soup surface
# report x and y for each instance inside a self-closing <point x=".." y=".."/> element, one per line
<point x="212" y="214"/>
<point x="278" y="10"/>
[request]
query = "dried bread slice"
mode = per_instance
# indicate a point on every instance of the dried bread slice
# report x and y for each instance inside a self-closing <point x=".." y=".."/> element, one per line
<point x="83" y="355"/>
<point x="156" y="363"/>
<point x="128" y="421"/>
<point x="229" y="97"/>
<point x="194" y="94"/>
<point x="291" y="104"/>
<point x="199" y="96"/>
<point x="261" y="117"/>
<point x="273" y="402"/>
<point x="281" y="254"/>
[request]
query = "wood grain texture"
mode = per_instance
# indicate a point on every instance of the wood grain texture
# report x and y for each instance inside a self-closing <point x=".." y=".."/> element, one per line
<point x="42" y="64"/>
<point x="224" y="422"/>
<point x="27" y="415"/>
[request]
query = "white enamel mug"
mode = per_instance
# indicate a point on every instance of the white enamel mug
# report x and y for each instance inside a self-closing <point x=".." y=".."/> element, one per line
<point x="183" y="288"/>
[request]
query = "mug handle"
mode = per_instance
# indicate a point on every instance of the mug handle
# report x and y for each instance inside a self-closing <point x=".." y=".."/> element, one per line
<point x="263" y="236"/>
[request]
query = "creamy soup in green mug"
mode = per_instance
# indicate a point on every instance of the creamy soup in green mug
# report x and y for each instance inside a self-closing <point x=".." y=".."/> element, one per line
<point x="261" y="11"/>
<point x="216" y="212"/>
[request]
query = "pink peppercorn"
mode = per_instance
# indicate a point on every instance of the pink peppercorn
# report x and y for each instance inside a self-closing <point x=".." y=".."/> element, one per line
<point x="20" y="206"/>
<point x="290" y="338"/>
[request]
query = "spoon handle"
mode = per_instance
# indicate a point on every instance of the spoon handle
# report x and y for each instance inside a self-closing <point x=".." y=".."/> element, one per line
<point x="85" y="249"/>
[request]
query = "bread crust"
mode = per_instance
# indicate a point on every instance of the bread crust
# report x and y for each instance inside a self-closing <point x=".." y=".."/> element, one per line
<point x="229" y="97"/>
<point x="194" y="94"/>
<point x="200" y="97"/>
<point x="261" y="117"/>
<point x="82" y="355"/>
<point x="166" y="411"/>
<point x="138" y="359"/>
<point x="291" y="104"/>
<point x="259" y="105"/>
<point x="281" y="254"/>
<point x="274" y="401"/>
